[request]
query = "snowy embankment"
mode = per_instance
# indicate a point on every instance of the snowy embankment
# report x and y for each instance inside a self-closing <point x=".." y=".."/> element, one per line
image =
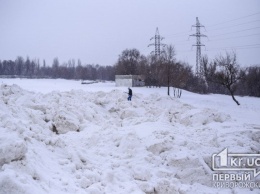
<point x="94" y="141"/>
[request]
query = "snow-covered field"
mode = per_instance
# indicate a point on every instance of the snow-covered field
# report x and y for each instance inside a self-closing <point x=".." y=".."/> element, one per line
<point x="59" y="136"/>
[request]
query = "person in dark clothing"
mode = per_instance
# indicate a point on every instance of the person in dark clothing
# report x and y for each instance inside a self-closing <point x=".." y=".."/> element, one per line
<point x="130" y="93"/>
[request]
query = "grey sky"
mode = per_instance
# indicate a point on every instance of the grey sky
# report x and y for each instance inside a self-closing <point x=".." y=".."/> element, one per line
<point x="97" y="31"/>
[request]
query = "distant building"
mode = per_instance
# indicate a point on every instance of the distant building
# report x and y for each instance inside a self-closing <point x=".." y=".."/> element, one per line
<point x="130" y="80"/>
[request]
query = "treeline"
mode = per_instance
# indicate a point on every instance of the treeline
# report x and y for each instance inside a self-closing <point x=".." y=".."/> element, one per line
<point x="68" y="70"/>
<point x="163" y="70"/>
<point x="249" y="85"/>
<point x="166" y="70"/>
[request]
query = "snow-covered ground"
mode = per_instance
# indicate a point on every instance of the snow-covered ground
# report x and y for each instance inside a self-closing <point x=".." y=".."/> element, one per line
<point x="61" y="136"/>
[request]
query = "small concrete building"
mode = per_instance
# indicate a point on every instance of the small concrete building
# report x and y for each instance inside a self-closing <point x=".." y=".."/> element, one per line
<point x="130" y="80"/>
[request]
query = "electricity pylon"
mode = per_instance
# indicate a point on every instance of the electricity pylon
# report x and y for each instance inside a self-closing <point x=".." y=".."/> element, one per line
<point x="199" y="66"/>
<point x="157" y="44"/>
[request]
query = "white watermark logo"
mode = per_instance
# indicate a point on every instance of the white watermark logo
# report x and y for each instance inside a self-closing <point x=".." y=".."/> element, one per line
<point x="225" y="161"/>
<point x="235" y="170"/>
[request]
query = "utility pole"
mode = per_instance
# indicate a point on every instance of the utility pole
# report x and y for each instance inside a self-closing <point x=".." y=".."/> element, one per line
<point x="157" y="44"/>
<point x="199" y="66"/>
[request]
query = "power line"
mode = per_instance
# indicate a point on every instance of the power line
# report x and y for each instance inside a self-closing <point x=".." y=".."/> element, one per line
<point x="234" y="19"/>
<point x="234" y="25"/>
<point x="231" y="48"/>
<point x="250" y="46"/>
<point x="179" y="34"/>
<point x="241" y="46"/>
<point x="187" y="32"/>
<point x="235" y="37"/>
<point x="235" y="32"/>
<point x="184" y="42"/>
<point x="176" y="34"/>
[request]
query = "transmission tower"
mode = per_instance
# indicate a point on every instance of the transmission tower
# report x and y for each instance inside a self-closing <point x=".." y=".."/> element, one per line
<point x="157" y="44"/>
<point x="199" y="66"/>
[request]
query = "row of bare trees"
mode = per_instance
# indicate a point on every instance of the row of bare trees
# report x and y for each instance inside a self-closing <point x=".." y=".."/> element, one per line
<point x="221" y="75"/>
<point x="68" y="70"/>
<point x="163" y="70"/>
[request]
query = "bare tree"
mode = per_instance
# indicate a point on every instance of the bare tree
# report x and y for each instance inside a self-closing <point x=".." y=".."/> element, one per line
<point x="224" y="71"/>
<point x="19" y="65"/>
<point x="128" y="62"/>
<point x="55" y="67"/>
<point x="168" y="58"/>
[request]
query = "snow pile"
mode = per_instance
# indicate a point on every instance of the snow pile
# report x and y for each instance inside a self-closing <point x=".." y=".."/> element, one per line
<point x="97" y="142"/>
<point x="11" y="149"/>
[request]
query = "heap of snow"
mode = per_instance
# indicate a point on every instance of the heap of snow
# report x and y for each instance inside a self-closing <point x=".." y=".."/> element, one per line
<point x="11" y="149"/>
<point x="97" y="142"/>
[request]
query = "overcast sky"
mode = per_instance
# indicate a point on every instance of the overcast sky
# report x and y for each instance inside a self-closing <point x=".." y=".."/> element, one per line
<point x="97" y="31"/>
